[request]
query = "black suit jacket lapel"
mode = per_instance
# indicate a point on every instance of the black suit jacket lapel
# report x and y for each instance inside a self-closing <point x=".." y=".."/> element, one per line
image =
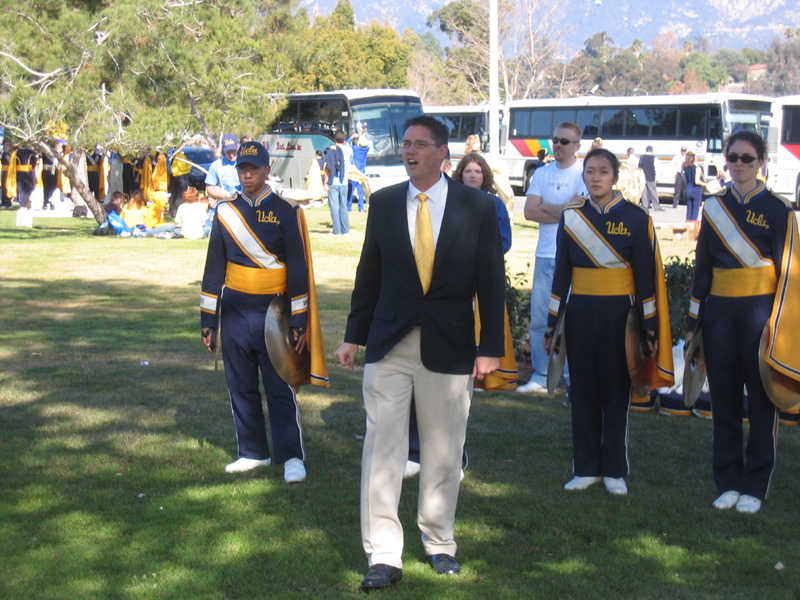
<point x="455" y="211"/>
<point x="398" y="216"/>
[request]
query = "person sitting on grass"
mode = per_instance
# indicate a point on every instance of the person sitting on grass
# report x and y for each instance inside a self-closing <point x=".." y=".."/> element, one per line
<point x="190" y="220"/>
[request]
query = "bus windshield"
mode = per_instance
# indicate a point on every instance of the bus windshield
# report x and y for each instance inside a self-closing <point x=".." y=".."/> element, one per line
<point x="383" y="125"/>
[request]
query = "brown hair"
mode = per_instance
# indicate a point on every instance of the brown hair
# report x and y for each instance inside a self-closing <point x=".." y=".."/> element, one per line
<point x="137" y="199"/>
<point x="488" y="176"/>
<point x="190" y="195"/>
<point x="689" y="160"/>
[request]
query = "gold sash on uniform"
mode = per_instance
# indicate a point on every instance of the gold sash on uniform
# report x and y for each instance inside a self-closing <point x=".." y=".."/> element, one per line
<point x="506" y="376"/>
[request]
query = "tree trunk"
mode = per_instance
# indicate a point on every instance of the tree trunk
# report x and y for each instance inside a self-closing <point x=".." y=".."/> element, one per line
<point x="76" y="172"/>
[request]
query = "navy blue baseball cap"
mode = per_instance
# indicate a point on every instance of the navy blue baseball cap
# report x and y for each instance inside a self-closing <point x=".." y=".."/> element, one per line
<point x="253" y="153"/>
<point x="229" y="142"/>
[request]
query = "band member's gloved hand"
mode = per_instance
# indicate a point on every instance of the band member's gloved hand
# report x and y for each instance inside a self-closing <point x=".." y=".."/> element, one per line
<point x="299" y="337"/>
<point x="209" y="335"/>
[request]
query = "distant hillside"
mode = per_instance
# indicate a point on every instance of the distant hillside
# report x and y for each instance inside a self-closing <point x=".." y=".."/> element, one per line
<point x="725" y="23"/>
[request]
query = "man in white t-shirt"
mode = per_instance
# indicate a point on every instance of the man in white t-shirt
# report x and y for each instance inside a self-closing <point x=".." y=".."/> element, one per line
<point x="552" y="187"/>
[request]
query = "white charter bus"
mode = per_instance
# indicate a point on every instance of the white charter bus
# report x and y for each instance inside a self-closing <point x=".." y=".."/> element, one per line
<point x="309" y="120"/>
<point x="699" y="122"/>
<point x="783" y="149"/>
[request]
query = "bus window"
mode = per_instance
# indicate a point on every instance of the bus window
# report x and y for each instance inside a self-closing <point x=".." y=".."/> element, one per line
<point x="561" y="116"/>
<point x="401" y="112"/>
<point x="692" y="123"/>
<point x="520" y="123"/>
<point x="588" y="120"/>
<point x="379" y="127"/>
<point x="791" y="125"/>
<point x="470" y="124"/>
<point x="664" y="121"/>
<point x="330" y="115"/>
<point x="542" y="123"/>
<point x="715" y="130"/>
<point x="614" y="122"/>
<point x="451" y="122"/>
<point x="638" y="124"/>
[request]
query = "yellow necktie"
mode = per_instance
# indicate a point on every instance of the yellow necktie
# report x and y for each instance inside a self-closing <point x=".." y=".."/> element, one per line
<point x="423" y="243"/>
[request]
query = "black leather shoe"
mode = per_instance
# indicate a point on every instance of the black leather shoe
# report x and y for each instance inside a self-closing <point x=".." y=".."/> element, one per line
<point x="380" y="577"/>
<point x="444" y="564"/>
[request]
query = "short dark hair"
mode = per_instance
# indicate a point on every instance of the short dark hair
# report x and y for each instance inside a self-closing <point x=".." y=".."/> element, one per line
<point x="339" y="136"/>
<point x="117" y="196"/>
<point x="609" y="156"/>
<point x="752" y="138"/>
<point x="439" y="131"/>
<point x="488" y="176"/>
<point x="648" y="149"/>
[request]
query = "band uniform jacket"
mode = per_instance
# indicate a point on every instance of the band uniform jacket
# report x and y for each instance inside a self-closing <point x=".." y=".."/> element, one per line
<point x="388" y="301"/>
<point x="600" y="248"/>
<point x="260" y="246"/>
<point x="749" y="246"/>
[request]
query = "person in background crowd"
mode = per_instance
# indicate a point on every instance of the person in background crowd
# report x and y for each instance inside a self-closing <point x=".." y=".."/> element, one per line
<point x="179" y="169"/>
<point x="222" y="180"/>
<point x="695" y="183"/>
<point x="115" y="204"/>
<point x="607" y="261"/>
<point x="360" y="151"/>
<point x="338" y="159"/>
<point x="473" y="145"/>
<point x="680" y="177"/>
<point x="544" y="157"/>
<point x="596" y="143"/>
<point x="745" y="287"/>
<point x="50" y="168"/>
<point x="259" y="249"/>
<point x="5" y="200"/>
<point x="96" y="172"/>
<point x="647" y="163"/>
<point x="550" y="190"/>
<point x="190" y="221"/>
<point x="632" y="159"/>
<point x="134" y="211"/>
<point x="22" y="174"/>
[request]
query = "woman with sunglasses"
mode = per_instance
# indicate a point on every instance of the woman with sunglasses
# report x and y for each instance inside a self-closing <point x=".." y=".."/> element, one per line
<point x="746" y="251"/>
<point x="694" y="186"/>
<point x="608" y="254"/>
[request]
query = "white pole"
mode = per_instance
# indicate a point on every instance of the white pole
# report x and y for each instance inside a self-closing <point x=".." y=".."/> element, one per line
<point x="494" y="86"/>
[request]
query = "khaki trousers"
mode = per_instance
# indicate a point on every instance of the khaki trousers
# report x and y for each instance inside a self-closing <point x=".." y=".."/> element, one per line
<point x="442" y="404"/>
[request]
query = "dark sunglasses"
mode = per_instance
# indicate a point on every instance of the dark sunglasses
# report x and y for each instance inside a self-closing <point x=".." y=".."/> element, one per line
<point x="562" y="141"/>
<point x="745" y="158"/>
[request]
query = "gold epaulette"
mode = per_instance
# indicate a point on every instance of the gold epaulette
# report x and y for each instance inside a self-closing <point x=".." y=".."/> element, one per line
<point x="575" y="203"/>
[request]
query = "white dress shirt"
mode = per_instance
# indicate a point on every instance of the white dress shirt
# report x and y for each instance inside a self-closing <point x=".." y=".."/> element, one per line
<point x="437" y="199"/>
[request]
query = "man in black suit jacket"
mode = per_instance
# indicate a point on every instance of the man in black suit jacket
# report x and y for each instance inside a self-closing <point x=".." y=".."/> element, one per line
<point x="419" y="334"/>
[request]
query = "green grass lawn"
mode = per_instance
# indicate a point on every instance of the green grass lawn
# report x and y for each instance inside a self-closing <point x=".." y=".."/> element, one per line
<point x="112" y="482"/>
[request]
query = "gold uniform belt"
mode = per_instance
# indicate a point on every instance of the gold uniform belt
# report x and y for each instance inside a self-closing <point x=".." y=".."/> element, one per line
<point x="24" y="168"/>
<point x="603" y="282"/>
<point x="739" y="283"/>
<point x="250" y="280"/>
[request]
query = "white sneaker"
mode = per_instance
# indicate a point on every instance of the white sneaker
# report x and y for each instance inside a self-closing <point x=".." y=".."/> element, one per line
<point x="245" y="464"/>
<point x="616" y="485"/>
<point x="581" y="483"/>
<point x="748" y="504"/>
<point x="462" y="475"/>
<point x="412" y="468"/>
<point x="532" y="387"/>
<point x="294" y="471"/>
<point x="726" y="500"/>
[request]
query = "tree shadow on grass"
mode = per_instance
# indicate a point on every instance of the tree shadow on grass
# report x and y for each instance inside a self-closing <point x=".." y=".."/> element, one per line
<point x="113" y="484"/>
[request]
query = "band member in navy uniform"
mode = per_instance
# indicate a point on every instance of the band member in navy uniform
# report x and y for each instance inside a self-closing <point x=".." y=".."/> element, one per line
<point x="607" y="252"/>
<point x="258" y="249"/>
<point x="7" y="200"/>
<point x="747" y="250"/>
<point x="27" y="160"/>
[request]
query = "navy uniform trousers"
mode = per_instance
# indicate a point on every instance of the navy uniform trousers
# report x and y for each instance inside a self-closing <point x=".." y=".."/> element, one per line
<point x="731" y="334"/>
<point x="245" y="353"/>
<point x="600" y="387"/>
